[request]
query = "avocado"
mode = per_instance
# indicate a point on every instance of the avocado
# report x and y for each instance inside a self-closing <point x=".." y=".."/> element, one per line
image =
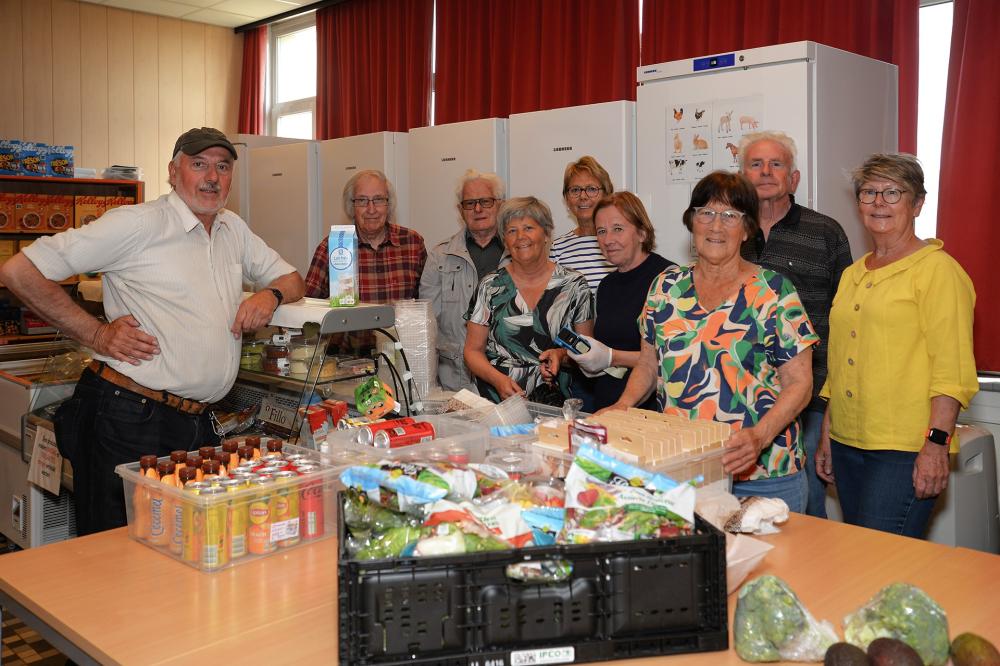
<point x="845" y="654"/>
<point x="891" y="652"/>
<point x="968" y="649"/>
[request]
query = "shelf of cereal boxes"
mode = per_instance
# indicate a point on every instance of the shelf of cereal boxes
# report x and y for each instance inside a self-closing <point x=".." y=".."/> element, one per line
<point x="221" y="524"/>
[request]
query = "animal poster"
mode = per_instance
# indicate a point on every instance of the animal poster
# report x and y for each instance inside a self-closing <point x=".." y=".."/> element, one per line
<point x="734" y="118"/>
<point x="689" y="142"/>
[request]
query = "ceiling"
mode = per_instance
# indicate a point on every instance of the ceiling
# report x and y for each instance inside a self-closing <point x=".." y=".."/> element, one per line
<point x="227" y="13"/>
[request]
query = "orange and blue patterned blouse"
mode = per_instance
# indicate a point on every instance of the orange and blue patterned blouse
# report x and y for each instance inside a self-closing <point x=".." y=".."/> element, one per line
<point x="722" y="364"/>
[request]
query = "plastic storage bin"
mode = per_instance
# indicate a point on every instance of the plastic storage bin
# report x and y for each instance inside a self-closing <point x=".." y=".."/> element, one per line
<point x="455" y="440"/>
<point x="211" y="532"/>
<point x="623" y="600"/>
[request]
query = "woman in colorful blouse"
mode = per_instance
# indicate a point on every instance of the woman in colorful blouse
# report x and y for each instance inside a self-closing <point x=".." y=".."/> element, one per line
<point x="518" y="309"/>
<point x="900" y="360"/>
<point x="729" y="341"/>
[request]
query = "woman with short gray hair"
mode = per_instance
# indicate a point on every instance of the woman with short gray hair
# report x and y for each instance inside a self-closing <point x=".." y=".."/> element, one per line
<point x="519" y="309"/>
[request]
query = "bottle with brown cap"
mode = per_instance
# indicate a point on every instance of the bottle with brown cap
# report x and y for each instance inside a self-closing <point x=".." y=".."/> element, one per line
<point x="245" y="452"/>
<point x="206" y="451"/>
<point x="196" y="461"/>
<point x="275" y="445"/>
<point x="160" y="506"/>
<point x="141" y="497"/>
<point x="210" y="469"/>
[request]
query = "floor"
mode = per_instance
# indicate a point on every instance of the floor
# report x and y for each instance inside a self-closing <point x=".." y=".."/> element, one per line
<point x="21" y="644"/>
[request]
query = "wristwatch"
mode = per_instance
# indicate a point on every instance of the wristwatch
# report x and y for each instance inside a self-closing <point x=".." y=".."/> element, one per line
<point x="277" y="294"/>
<point x="938" y="436"/>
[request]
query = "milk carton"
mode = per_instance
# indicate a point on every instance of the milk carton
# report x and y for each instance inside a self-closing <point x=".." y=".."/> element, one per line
<point x="343" y="250"/>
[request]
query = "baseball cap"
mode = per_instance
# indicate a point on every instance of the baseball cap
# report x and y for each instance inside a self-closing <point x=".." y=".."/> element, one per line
<point x="198" y="139"/>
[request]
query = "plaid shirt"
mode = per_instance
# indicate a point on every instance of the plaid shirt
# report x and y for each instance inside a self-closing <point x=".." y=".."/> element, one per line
<point x="386" y="274"/>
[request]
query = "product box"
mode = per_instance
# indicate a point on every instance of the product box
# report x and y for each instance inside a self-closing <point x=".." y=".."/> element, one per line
<point x="115" y="202"/>
<point x="343" y="253"/>
<point x="29" y="212"/>
<point x="59" y="212"/>
<point x="32" y="324"/>
<point x="621" y="600"/>
<point x="8" y="202"/>
<point x="88" y="208"/>
<point x="34" y="158"/>
<point x="217" y="527"/>
<point x="60" y="162"/>
<point x="8" y="248"/>
<point x="10" y="157"/>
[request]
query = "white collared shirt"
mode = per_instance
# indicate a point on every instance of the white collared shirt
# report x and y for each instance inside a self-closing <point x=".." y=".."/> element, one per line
<point x="182" y="286"/>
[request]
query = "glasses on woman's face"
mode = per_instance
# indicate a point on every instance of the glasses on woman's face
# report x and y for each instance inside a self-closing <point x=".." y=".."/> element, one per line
<point x="706" y="215"/>
<point x="591" y="190"/>
<point x="890" y="196"/>
<point x="362" y="202"/>
<point x="485" y="202"/>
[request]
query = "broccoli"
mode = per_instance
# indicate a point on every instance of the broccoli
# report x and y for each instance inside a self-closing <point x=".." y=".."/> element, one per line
<point x="906" y="613"/>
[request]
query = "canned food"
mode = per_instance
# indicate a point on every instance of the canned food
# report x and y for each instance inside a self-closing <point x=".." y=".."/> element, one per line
<point x="352" y="424"/>
<point x="193" y="519"/>
<point x="404" y="435"/>
<point x="311" y="503"/>
<point x="214" y="554"/>
<point x="366" y="433"/>
<point x="236" y="519"/>
<point x="260" y="513"/>
<point x="285" y="522"/>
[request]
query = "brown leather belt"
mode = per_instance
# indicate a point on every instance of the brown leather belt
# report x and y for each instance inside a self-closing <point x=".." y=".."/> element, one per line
<point x="107" y="373"/>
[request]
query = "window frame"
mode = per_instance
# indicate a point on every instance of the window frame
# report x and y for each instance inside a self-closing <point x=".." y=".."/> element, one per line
<point x="277" y="109"/>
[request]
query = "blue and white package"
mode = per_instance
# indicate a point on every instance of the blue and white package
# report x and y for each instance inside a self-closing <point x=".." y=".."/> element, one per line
<point x="34" y="157"/>
<point x="10" y="157"/>
<point x="343" y="265"/>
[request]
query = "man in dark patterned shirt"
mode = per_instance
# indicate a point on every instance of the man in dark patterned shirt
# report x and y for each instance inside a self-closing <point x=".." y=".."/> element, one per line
<point x="810" y="249"/>
<point x="390" y="257"/>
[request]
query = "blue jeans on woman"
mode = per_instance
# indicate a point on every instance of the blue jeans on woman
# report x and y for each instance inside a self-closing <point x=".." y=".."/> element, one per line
<point x="793" y="488"/>
<point x="876" y="490"/>
<point x="812" y="422"/>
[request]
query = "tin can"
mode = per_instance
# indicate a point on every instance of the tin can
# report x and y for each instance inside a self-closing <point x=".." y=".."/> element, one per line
<point x="404" y="435"/>
<point x="311" y="515"/>
<point x="296" y="459"/>
<point x="285" y="524"/>
<point x="214" y="554"/>
<point x="237" y="518"/>
<point x="260" y="512"/>
<point x="366" y="434"/>
<point x="193" y="520"/>
<point x="348" y="423"/>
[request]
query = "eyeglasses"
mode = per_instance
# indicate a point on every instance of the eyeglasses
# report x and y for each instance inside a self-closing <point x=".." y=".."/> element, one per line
<point x="890" y="196"/>
<point x="362" y="202"/>
<point x="575" y="191"/>
<point x="705" y="215"/>
<point x="485" y="202"/>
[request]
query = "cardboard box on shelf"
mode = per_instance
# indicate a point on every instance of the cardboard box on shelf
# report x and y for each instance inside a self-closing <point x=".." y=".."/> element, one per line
<point x="29" y="212"/>
<point x="7" y="221"/>
<point x="87" y="208"/>
<point x="115" y="202"/>
<point x="59" y="212"/>
<point x="8" y="248"/>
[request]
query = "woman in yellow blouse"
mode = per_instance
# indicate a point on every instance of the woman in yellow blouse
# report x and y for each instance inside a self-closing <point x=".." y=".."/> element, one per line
<point x="900" y="358"/>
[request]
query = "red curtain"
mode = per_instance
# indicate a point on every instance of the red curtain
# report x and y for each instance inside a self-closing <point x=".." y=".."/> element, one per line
<point x="970" y="144"/>
<point x="373" y="69"/>
<point x="251" y="119"/>
<point x="497" y="57"/>
<point x="883" y="29"/>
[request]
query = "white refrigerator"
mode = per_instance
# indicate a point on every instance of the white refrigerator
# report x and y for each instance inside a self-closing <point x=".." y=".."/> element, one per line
<point x="239" y="193"/>
<point x="542" y="143"/>
<point x="285" y="200"/>
<point x="690" y="114"/>
<point x="439" y="155"/>
<point x="339" y="159"/>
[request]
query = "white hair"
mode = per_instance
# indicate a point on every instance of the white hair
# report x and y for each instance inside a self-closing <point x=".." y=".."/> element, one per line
<point x="780" y="138"/>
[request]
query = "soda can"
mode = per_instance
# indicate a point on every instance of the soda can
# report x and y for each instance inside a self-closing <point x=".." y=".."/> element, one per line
<point x="272" y="457"/>
<point x="260" y="515"/>
<point x="352" y="424"/>
<point x="404" y="435"/>
<point x="243" y="477"/>
<point x="295" y="459"/>
<point x="193" y="522"/>
<point x="285" y="523"/>
<point x="311" y="518"/>
<point x="214" y="554"/>
<point x="366" y="434"/>
<point x="236" y="519"/>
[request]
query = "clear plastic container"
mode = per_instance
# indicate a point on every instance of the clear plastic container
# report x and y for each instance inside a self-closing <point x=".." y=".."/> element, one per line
<point x="454" y="440"/>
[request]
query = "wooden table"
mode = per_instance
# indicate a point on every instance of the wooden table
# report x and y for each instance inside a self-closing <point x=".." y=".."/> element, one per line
<point x="107" y="599"/>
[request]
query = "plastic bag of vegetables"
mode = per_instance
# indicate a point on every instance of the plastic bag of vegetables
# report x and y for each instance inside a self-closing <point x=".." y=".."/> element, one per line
<point x="771" y="624"/>
<point x="906" y="613"/>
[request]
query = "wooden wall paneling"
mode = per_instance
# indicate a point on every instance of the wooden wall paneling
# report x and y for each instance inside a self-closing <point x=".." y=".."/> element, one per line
<point x="37" y="64"/>
<point x="12" y="72"/>
<point x="94" y="86"/>
<point x="146" y="100"/>
<point x="171" y="91"/>
<point x="67" y="124"/>
<point x="223" y="69"/>
<point x="193" y="74"/>
<point x="121" y="86"/>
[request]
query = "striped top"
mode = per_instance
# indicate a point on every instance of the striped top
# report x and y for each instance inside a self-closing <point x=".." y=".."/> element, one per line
<point x="582" y="254"/>
<point x="182" y="286"/>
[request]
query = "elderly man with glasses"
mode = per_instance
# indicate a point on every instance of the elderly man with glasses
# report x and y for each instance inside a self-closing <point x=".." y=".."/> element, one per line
<point x="390" y="257"/>
<point x="455" y="267"/>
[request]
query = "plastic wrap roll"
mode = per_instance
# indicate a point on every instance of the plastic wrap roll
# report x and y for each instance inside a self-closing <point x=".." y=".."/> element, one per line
<point x="417" y="331"/>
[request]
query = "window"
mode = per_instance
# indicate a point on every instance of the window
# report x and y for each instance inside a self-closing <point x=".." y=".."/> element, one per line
<point x="292" y="78"/>
<point x="935" y="52"/>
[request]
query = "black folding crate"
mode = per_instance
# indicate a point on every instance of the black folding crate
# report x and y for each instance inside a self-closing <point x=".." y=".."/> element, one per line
<point x="623" y="600"/>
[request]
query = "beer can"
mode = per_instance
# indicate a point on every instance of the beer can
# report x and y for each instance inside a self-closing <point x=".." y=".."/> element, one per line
<point x="366" y="434"/>
<point x="285" y="525"/>
<point x="214" y="554"/>
<point x="260" y="515"/>
<point x="404" y="435"/>
<point x="237" y="518"/>
<point x="311" y="515"/>
<point x="193" y="521"/>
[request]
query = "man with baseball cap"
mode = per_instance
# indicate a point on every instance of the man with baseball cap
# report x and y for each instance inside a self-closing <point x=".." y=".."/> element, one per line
<point x="173" y="274"/>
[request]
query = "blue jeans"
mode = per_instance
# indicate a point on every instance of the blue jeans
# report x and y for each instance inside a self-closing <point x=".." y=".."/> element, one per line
<point x="876" y="490"/>
<point x="793" y="489"/>
<point x="812" y="422"/>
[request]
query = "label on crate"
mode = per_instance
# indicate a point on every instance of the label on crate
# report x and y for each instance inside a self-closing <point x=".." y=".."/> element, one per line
<point x="285" y="529"/>
<point x="556" y="655"/>
<point x="277" y="415"/>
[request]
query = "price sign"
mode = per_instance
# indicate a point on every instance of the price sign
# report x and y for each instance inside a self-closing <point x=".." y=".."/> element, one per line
<point x="275" y="415"/>
<point x="45" y="470"/>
